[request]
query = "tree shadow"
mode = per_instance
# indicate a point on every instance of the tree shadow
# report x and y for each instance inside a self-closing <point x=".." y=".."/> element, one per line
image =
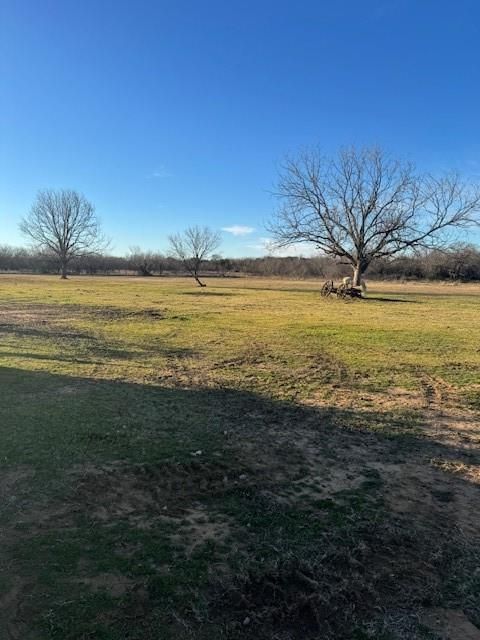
<point x="313" y="519"/>
<point x="286" y="288"/>
<point x="206" y="292"/>
<point x="383" y="299"/>
<point x="103" y="354"/>
<point x="82" y="347"/>
<point x="45" y="330"/>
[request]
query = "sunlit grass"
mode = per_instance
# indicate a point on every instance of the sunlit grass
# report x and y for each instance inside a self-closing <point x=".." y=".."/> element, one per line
<point x="256" y="334"/>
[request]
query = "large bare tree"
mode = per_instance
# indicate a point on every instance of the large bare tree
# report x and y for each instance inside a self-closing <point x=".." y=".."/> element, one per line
<point x="363" y="204"/>
<point x="64" y="224"/>
<point x="193" y="247"/>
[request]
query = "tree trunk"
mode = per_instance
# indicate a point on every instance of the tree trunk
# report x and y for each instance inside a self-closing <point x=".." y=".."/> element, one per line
<point x="63" y="270"/>
<point x="199" y="282"/>
<point x="357" y="275"/>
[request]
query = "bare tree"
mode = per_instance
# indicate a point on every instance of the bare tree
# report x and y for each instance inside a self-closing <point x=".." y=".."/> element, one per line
<point x="193" y="246"/>
<point x="362" y="205"/>
<point x="64" y="224"/>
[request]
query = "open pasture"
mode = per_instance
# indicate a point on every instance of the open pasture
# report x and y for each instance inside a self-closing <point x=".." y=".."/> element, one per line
<point x="247" y="460"/>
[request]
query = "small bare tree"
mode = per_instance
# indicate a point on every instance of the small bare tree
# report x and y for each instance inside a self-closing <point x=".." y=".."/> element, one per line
<point x="193" y="247"/>
<point x="362" y="205"/>
<point x="63" y="223"/>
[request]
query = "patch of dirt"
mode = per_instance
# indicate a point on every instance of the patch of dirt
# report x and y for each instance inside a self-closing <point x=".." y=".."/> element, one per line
<point x="327" y="483"/>
<point x="30" y="313"/>
<point x="254" y="354"/>
<point x="430" y="497"/>
<point x="397" y="398"/>
<point x="454" y="427"/>
<point x="114" y="584"/>
<point x="450" y="624"/>
<point x="198" y="526"/>
<point x="435" y="481"/>
<point x="114" y="313"/>
<point x="470" y="472"/>
<point x="141" y="493"/>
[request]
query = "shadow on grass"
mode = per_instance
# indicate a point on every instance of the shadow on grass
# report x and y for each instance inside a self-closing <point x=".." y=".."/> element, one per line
<point x="45" y="331"/>
<point x="92" y="355"/>
<point x="206" y="292"/>
<point x="81" y="347"/>
<point x="181" y="513"/>
<point x="375" y="298"/>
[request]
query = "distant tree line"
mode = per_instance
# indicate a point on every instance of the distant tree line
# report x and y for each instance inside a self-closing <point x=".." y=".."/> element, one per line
<point x="457" y="263"/>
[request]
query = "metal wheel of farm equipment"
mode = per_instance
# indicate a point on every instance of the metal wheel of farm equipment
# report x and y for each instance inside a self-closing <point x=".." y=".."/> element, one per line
<point x="327" y="289"/>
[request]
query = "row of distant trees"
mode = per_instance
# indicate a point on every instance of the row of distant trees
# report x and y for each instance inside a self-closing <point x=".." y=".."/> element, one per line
<point x="457" y="263"/>
<point x="360" y="208"/>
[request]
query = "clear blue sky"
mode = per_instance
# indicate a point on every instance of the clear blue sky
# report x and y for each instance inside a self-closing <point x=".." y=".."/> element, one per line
<point x="168" y="113"/>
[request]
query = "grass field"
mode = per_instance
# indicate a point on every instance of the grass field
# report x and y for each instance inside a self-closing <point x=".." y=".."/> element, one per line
<point x="247" y="460"/>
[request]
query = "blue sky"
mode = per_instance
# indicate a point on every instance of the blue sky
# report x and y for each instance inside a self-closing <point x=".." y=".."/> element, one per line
<point x="171" y="113"/>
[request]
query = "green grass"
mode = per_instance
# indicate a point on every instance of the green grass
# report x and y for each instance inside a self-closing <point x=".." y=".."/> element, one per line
<point x="180" y="462"/>
<point x="224" y="334"/>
